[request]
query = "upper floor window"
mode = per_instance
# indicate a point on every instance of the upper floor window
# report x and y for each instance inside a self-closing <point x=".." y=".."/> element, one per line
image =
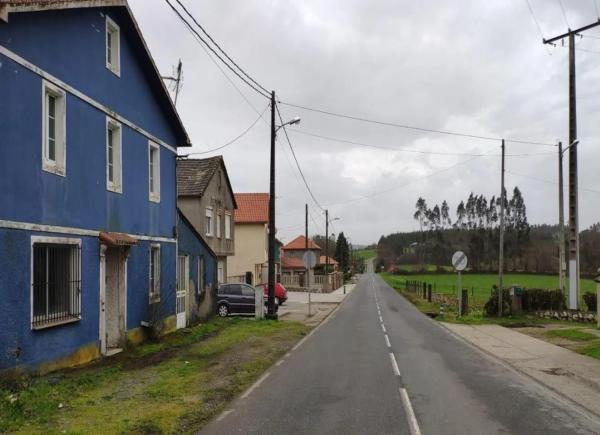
<point x="113" y="47"/>
<point x="218" y="225"/>
<point x="113" y="156"/>
<point x="154" y="172"/>
<point x="209" y="221"/>
<point x="227" y="225"/>
<point x="54" y="129"/>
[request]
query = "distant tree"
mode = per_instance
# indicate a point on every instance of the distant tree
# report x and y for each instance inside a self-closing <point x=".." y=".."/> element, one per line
<point x="342" y="252"/>
<point x="461" y="213"/>
<point x="445" y="217"/>
<point x="421" y="212"/>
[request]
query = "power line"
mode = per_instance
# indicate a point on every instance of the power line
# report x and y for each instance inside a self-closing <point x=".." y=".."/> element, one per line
<point x="411" y="127"/>
<point x="381" y="192"/>
<point x="220" y="49"/>
<point x="234" y="139"/>
<point x="406" y="150"/>
<point x="564" y="14"/>
<point x="296" y="159"/>
<point x="596" y="8"/>
<point x="189" y="26"/>
<point x="542" y="180"/>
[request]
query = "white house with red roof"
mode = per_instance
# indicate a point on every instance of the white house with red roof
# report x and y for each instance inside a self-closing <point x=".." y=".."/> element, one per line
<point x="252" y="238"/>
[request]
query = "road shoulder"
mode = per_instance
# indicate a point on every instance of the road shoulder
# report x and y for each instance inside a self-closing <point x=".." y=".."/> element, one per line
<point x="570" y="375"/>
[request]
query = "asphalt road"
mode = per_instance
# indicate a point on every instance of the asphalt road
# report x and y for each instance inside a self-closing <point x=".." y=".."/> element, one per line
<point x="378" y="366"/>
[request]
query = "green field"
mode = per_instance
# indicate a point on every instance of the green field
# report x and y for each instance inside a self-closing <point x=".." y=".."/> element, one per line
<point x="479" y="285"/>
<point x="365" y="254"/>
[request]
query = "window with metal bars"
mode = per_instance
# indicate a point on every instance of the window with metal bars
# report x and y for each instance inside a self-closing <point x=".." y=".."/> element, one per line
<point x="56" y="292"/>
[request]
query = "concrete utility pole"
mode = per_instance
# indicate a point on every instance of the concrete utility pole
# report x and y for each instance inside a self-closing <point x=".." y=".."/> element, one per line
<point x="561" y="221"/>
<point x="271" y="281"/>
<point x="573" y="175"/>
<point x="501" y="248"/>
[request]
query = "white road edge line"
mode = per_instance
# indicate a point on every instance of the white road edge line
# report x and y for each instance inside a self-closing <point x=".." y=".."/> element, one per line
<point x="410" y="413"/>
<point x="394" y="364"/>
<point x="387" y="341"/>
<point x="255" y="385"/>
<point x="278" y="363"/>
<point x="383" y="328"/>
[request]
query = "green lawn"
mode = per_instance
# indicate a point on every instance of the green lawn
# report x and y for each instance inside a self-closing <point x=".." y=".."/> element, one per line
<point x="174" y="386"/>
<point x="365" y="254"/>
<point x="574" y="334"/>
<point x="479" y="285"/>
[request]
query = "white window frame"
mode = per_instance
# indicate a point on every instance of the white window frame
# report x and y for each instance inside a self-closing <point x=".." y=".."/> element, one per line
<point x="154" y="178"/>
<point x="116" y="185"/>
<point x="113" y="29"/>
<point x="227" y="225"/>
<point x="58" y="165"/>
<point x="209" y="214"/>
<point x="54" y="241"/>
<point x="218" y="225"/>
<point x="154" y="293"/>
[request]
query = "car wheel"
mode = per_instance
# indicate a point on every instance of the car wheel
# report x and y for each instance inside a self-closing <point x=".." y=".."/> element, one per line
<point x="223" y="310"/>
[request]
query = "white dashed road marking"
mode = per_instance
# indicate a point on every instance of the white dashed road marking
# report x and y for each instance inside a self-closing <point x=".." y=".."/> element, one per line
<point x="394" y="364"/>
<point x="387" y="341"/>
<point x="256" y="385"/>
<point x="410" y="413"/>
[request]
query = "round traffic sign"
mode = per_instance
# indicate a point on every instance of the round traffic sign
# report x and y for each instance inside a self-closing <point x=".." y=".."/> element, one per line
<point x="309" y="258"/>
<point x="459" y="260"/>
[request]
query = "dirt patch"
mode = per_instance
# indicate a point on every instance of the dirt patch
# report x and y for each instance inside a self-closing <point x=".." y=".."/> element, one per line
<point x="557" y="371"/>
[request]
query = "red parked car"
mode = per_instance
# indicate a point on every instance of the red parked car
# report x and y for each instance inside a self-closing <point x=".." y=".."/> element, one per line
<point x="280" y="292"/>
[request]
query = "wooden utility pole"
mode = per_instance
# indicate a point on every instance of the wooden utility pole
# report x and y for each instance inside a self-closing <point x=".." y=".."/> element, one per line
<point x="327" y="244"/>
<point x="573" y="174"/>
<point x="271" y="281"/>
<point x="307" y="275"/>
<point x="501" y="248"/>
<point x="561" y="221"/>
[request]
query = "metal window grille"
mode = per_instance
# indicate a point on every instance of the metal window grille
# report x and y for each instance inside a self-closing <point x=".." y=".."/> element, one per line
<point x="56" y="284"/>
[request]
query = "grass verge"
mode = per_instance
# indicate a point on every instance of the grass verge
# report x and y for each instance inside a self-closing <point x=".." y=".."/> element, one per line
<point x="174" y="386"/>
<point x="574" y="334"/>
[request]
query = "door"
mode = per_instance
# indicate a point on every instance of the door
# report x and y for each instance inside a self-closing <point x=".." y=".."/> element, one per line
<point x="113" y="297"/>
<point x="221" y="272"/>
<point x="183" y="274"/>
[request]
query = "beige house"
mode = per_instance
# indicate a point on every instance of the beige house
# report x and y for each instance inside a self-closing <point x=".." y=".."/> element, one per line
<point x="252" y="238"/>
<point x="205" y="197"/>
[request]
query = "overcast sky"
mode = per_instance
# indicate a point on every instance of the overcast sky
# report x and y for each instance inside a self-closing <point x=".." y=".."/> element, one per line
<point x="477" y="67"/>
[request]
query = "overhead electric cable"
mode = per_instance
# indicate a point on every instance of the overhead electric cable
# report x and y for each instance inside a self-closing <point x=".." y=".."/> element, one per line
<point x="296" y="159"/>
<point x="242" y="134"/>
<point x="233" y="70"/>
<point x="564" y="14"/>
<point x="537" y="23"/>
<point x="411" y="127"/>
<point x="542" y="180"/>
<point x="219" y="47"/>
<point x="407" y="150"/>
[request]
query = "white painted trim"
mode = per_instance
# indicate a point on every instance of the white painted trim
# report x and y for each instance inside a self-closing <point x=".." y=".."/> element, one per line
<point x="154" y="196"/>
<point x="56" y="241"/>
<point x="114" y="29"/>
<point x="71" y="90"/>
<point x="102" y="304"/>
<point x="152" y="295"/>
<point x="12" y="225"/>
<point x="115" y="127"/>
<point x="59" y="166"/>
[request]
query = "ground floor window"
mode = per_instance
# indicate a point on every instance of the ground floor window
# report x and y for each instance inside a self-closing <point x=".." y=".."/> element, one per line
<point x="56" y="281"/>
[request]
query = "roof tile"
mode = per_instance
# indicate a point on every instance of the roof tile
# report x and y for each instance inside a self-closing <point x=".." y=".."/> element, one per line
<point x="252" y="208"/>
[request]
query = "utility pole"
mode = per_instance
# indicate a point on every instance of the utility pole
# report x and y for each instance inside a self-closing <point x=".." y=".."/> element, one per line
<point x="501" y="249"/>
<point x="561" y="221"/>
<point x="327" y="244"/>
<point x="306" y="281"/>
<point x="271" y="281"/>
<point x="573" y="175"/>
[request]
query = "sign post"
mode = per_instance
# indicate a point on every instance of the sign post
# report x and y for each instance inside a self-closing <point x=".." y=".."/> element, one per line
<point x="459" y="262"/>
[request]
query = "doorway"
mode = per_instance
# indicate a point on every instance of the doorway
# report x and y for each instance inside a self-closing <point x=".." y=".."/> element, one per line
<point x="113" y="299"/>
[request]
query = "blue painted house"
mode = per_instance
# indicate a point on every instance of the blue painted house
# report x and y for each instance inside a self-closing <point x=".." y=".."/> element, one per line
<point x="197" y="275"/>
<point x="88" y="201"/>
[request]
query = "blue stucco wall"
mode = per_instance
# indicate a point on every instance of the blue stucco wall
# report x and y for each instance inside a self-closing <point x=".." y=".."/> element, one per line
<point x="49" y="344"/>
<point x="192" y="245"/>
<point x="70" y="45"/>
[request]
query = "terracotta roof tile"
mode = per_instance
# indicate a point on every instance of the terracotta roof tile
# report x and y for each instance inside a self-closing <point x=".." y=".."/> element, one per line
<point x="323" y="260"/>
<point x="252" y="208"/>
<point x="299" y="243"/>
